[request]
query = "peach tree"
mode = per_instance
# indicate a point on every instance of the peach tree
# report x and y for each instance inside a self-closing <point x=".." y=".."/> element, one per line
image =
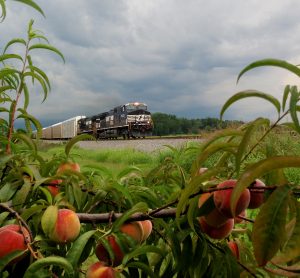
<point x="230" y="214"/>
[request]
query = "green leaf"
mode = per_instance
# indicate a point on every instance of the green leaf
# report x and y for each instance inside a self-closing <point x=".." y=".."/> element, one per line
<point x="271" y="62"/>
<point x="10" y="56"/>
<point x="32" y="270"/>
<point x="41" y="81"/>
<point x="285" y="96"/>
<point x="41" y="73"/>
<point x="291" y="249"/>
<point x="220" y="146"/>
<point x="26" y="139"/>
<point x="48" y="47"/>
<point x="251" y="128"/>
<point x="13" y="41"/>
<point x="74" y="254"/>
<point x="293" y="107"/>
<point x="32" y="119"/>
<point x="193" y="187"/>
<point x="5" y="88"/>
<point x="4" y="72"/>
<point x="39" y="37"/>
<point x="27" y="213"/>
<point x="21" y="196"/>
<point x="139" y="207"/>
<point x="250" y="93"/>
<point x="3" y="109"/>
<point x="3" y="216"/>
<point x="7" y="191"/>
<point x="259" y="169"/>
<point x="75" y="140"/>
<point x="144" y="267"/>
<point x="32" y="4"/>
<point x="269" y="226"/>
<point x="128" y="170"/>
<point x="3" y="10"/>
<point x="49" y="219"/>
<point x="144" y="249"/>
<point x="222" y="134"/>
<point x="26" y="96"/>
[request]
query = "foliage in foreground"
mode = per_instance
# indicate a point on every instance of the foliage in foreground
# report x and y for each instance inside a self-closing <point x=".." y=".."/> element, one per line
<point x="39" y="196"/>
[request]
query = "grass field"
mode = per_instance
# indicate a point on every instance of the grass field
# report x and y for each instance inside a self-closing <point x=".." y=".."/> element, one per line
<point x="119" y="159"/>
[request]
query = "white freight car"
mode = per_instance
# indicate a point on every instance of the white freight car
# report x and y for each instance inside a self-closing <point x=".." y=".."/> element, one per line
<point x="56" y="131"/>
<point x="69" y="127"/>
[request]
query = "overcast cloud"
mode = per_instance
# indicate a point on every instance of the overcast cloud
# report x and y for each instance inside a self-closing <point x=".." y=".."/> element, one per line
<point x="179" y="57"/>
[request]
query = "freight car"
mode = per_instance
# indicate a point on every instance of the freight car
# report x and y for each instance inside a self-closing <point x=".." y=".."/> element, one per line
<point x="63" y="130"/>
<point x="132" y="120"/>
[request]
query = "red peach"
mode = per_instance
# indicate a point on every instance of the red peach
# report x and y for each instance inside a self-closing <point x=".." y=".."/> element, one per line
<point x="134" y="230"/>
<point x="12" y="239"/>
<point x="216" y="233"/>
<point x="222" y="199"/>
<point x="67" y="226"/>
<point x="256" y="197"/>
<point x="100" y="270"/>
<point x="214" y="218"/>
<point x="103" y="255"/>
<point x="53" y="187"/>
<point x="234" y="249"/>
<point x="68" y="166"/>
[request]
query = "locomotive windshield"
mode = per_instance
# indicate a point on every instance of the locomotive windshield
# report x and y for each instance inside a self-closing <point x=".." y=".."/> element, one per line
<point x="135" y="106"/>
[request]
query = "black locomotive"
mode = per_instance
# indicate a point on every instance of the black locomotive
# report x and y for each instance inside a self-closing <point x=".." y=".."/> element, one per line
<point x="131" y="120"/>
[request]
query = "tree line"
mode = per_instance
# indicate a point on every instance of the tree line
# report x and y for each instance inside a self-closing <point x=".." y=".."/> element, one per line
<point x="166" y="124"/>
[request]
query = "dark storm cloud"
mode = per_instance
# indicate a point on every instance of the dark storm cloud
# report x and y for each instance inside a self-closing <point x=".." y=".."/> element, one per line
<point x="180" y="57"/>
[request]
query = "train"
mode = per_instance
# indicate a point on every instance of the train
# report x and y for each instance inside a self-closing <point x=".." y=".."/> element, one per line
<point x="131" y="120"/>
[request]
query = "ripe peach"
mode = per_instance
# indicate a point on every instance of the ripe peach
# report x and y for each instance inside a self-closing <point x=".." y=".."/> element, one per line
<point x="68" y="166"/>
<point x="222" y="199"/>
<point x="103" y="255"/>
<point x="256" y="197"/>
<point x="216" y="233"/>
<point x="147" y="228"/>
<point x="67" y="226"/>
<point x="134" y="230"/>
<point x="53" y="187"/>
<point x="214" y="218"/>
<point x="234" y="249"/>
<point x="100" y="270"/>
<point x="12" y="239"/>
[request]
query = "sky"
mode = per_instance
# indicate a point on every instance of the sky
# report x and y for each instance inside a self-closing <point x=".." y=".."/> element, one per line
<point x="179" y="57"/>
